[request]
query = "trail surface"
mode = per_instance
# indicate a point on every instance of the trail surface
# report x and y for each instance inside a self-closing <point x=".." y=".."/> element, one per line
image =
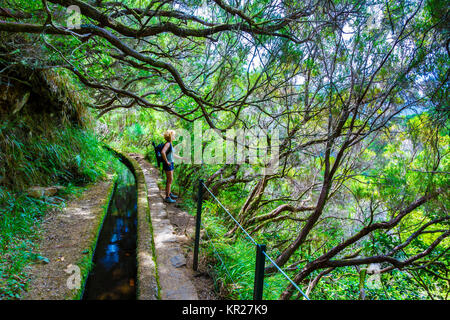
<point x="66" y="235"/>
<point x="173" y="229"/>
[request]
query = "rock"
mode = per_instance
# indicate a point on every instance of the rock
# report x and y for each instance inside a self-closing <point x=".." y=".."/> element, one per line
<point x="59" y="188"/>
<point x="36" y="192"/>
<point x="50" y="191"/>
<point x="178" y="261"/>
<point x="40" y="192"/>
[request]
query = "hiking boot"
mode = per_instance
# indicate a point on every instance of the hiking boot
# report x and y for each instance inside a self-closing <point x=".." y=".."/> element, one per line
<point x="169" y="200"/>
<point x="173" y="196"/>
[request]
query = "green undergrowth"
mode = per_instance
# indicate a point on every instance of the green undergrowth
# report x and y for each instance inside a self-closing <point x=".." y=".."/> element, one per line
<point x="232" y="259"/>
<point x="231" y="263"/>
<point x="66" y="156"/>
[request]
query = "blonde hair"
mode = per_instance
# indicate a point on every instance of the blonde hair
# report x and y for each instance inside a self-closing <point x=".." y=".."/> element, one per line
<point x="169" y="135"/>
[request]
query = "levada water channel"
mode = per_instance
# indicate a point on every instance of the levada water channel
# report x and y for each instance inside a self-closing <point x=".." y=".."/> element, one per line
<point x="113" y="276"/>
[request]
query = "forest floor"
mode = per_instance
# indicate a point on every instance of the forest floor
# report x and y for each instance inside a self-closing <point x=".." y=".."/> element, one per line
<point x="66" y="236"/>
<point x="184" y="227"/>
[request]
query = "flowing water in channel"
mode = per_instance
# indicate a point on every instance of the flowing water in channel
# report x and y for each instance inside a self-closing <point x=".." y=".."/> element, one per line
<point x="113" y="276"/>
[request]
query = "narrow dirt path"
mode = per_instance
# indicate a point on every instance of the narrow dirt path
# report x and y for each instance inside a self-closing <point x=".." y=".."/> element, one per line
<point x="173" y="231"/>
<point x="67" y="236"/>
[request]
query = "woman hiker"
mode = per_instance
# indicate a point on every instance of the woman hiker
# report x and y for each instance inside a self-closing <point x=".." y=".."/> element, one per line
<point x="167" y="155"/>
